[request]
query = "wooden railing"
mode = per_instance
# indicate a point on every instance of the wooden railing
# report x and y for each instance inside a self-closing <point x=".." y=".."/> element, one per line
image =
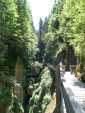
<point x="64" y="95"/>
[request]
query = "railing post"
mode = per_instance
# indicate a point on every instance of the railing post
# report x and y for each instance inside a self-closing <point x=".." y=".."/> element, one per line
<point x="62" y="102"/>
<point x="58" y="90"/>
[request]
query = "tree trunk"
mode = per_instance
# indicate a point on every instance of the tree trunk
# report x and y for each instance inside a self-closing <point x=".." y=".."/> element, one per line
<point x="18" y="90"/>
<point x="19" y="70"/>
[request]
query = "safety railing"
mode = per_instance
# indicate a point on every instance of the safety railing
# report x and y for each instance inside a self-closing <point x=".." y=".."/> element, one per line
<point x="64" y="95"/>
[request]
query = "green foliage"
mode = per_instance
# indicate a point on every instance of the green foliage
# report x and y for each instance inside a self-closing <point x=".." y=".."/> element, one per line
<point x="8" y="19"/>
<point x="42" y="93"/>
<point x="26" y="36"/>
<point x="40" y="35"/>
<point x="16" y="106"/>
<point x="6" y="94"/>
<point x="17" y="39"/>
<point x="32" y="75"/>
<point x="71" y="17"/>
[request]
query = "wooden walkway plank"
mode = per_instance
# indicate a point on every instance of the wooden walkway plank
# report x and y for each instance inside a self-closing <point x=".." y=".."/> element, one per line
<point x="77" y="88"/>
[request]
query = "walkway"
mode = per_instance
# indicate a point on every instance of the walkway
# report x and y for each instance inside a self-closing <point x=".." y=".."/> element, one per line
<point x="77" y="88"/>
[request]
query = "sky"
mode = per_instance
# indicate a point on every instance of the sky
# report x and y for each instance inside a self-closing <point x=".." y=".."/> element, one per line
<point x="40" y="9"/>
